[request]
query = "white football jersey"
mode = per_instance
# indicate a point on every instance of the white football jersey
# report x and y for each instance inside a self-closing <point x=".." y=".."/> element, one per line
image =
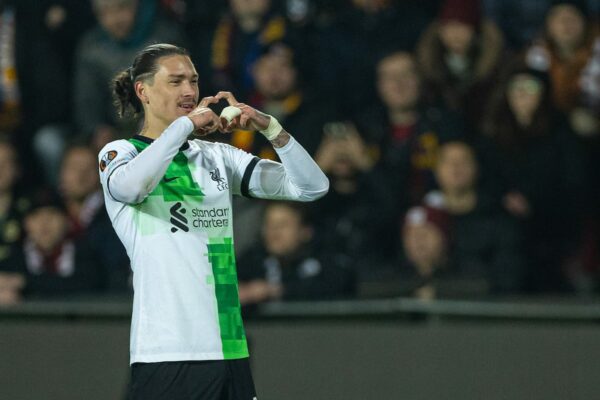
<point x="180" y="242"/>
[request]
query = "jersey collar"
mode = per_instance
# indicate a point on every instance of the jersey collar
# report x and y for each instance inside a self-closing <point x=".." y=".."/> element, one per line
<point x="148" y="140"/>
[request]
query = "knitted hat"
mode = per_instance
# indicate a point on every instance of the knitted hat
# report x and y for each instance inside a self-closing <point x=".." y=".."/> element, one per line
<point x="465" y="11"/>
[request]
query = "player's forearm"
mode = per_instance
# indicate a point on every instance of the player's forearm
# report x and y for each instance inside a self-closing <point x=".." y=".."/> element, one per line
<point x="133" y="181"/>
<point x="298" y="177"/>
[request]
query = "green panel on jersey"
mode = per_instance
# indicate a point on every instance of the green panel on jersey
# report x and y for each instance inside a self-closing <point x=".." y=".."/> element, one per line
<point x="177" y="182"/>
<point x="222" y="258"/>
<point x="176" y="185"/>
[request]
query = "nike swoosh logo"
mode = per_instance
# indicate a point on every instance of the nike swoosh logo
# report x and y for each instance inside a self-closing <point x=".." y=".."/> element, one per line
<point x="167" y="180"/>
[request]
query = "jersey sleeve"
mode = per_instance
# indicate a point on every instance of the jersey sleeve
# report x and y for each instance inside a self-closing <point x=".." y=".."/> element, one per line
<point x="297" y="177"/>
<point x="134" y="176"/>
<point x="112" y="157"/>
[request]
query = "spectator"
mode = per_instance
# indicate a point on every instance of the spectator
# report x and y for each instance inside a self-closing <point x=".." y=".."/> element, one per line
<point x="34" y="99"/>
<point x="569" y="51"/>
<point x="53" y="264"/>
<point x="523" y="21"/>
<point x="286" y="268"/>
<point x="89" y="222"/>
<point x="486" y="243"/>
<point x="12" y="209"/>
<point x="459" y="242"/>
<point x="459" y="54"/>
<point x="350" y="218"/>
<point x="225" y="56"/>
<point x="349" y="46"/>
<point x="407" y="132"/>
<point x="125" y="27"/>
<point x="279" y="93"/>
<point x="425" y="245"/>
<point x="60" y="24"/>
<point x="13" y="206"/>
<point x="520" y="21"/>
<point x="538" y="171"/>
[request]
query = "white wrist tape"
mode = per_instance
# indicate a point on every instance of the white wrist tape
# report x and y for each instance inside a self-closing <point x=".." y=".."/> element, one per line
<point x="230" y="112"/>
<point x="273" y="130"/>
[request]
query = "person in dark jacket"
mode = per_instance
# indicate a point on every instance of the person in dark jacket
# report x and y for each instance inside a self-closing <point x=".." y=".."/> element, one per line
<point x="53" y="264"/>
<point x="355" y="36"/>
<point x="486" y="242"/>
<point x="88" y="221"/>
<point x="352" y="216"/>
<point x="406" y="131"/>
<point x="13" y="207"/>
<point x="481" y="251"/>
<point x="279" y="91"/>
<point x="459" y="55"/>
<point x="225" y="53"/>
<point x="38" y="39"/>
<point x="285" y="267"/>
<point x="537" y="168"/>
<point x="425" y="249"/>
<point x="124" y="28"/>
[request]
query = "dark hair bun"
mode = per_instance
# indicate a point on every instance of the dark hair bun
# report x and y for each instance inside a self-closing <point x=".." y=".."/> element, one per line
<point x="124" y="93"/>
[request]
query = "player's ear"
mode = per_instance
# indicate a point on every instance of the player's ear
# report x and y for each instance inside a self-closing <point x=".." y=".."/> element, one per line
<point x="140" y="91"/>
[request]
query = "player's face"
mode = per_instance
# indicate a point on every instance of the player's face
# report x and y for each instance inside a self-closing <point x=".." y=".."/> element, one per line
<point x="398" y="82"/>
<point x="174" y="90"/>
<point x="456" y="168"/>
<point x="78" y="175"/>
<point x="8" y="167"/>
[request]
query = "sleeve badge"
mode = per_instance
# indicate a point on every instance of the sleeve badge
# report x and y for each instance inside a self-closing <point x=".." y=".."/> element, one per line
<point x="106" y="159"/>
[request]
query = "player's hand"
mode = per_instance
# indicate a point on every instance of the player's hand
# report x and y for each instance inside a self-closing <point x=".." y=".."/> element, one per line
<point x="204" y="119"/>
<point x="250" y="118"/>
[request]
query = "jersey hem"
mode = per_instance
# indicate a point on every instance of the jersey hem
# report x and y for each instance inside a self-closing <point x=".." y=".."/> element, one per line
<point x="185" y="357"/>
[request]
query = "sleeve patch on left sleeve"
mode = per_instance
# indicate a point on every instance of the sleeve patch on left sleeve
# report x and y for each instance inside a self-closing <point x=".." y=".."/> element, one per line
<point x="107" y="159"/>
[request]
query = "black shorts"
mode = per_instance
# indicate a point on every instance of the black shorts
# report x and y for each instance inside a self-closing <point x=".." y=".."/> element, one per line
<point x="193" y="380"/>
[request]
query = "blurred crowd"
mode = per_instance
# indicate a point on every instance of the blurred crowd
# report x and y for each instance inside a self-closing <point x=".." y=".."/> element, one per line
<point x="461" y="139"/>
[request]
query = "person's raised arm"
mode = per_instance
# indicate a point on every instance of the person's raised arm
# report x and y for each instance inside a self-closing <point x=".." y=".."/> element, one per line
<point x="297" y="177"/>
<point x="131" y="180"/>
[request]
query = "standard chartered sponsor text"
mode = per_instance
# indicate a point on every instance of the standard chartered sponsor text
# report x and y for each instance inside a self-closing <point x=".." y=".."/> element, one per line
<point x="210" y="217"/>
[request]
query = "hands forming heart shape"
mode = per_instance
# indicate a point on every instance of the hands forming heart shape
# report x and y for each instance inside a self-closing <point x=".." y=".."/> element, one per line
<point x="235" y="116"/>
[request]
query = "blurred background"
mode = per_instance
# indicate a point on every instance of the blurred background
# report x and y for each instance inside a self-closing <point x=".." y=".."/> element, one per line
<point x="456" y="255"/>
